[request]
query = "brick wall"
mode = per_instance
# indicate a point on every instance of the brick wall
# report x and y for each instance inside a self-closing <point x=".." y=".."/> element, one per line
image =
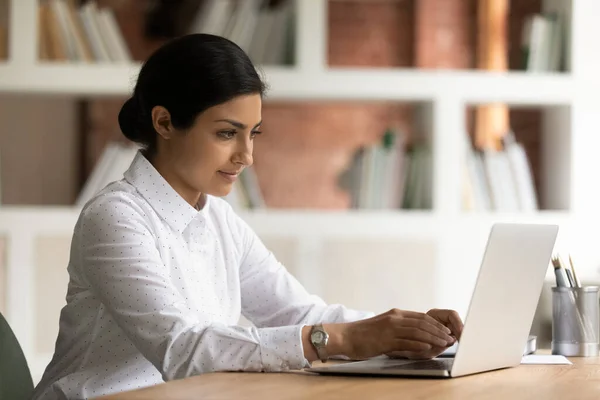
<point x="306" y="146"/>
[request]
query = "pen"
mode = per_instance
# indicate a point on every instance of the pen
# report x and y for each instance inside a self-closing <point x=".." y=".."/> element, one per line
<point x="562" y="279"/>
<point x="568" y="272"/>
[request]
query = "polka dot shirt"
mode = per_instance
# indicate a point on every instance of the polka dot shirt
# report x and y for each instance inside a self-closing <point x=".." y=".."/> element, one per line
<point x="157" y="288"/>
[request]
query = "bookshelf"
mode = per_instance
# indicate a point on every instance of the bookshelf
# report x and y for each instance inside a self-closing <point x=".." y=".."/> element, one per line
<point x="445" y="242"/>
<point x="519" y="88"/>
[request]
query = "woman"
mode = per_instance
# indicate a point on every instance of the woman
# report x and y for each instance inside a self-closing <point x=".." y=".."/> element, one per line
<point x="161" y="268"/>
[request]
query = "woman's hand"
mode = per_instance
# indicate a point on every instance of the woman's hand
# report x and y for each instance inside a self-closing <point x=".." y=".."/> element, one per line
<point x="451" y="320"/>
<point x="394" y="331"/>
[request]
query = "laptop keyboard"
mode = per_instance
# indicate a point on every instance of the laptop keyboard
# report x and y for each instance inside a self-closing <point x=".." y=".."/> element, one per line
<point x="444" y="364"/>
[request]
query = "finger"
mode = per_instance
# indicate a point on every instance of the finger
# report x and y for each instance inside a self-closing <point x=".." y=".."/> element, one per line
<point x="430" y="326"/>
<point x="457" y="324"/>
<point x="449" y="318"/>
<point x="411" y="345"/>
<point x="439" y="324"/>
<point x="428" y="318"/>
<point x="416" y="333"/>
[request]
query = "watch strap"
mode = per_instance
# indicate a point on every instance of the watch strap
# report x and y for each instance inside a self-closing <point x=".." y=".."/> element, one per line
<point x="320" y="348"/>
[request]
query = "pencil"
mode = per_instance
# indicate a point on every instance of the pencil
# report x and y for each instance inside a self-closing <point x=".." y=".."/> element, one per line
<point x="577" y="283"/>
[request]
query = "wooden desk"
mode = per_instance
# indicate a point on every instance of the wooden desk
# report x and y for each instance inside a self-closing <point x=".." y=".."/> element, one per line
<point x="580" y="381"/>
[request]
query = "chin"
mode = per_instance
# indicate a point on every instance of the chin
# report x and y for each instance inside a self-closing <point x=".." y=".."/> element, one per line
<point x="220" y="191"/>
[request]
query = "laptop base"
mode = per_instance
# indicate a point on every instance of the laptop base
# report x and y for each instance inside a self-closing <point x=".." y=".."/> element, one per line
<point x="435" y="368"/>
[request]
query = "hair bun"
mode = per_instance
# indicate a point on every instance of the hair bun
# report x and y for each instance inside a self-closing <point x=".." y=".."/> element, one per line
<point x="128" y="120"/>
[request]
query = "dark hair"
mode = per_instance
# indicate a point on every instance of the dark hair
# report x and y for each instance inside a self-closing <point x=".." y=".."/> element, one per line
<point x="187" y="75"/>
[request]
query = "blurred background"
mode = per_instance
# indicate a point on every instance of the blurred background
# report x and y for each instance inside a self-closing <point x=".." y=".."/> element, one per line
<point x="396" y="132"/>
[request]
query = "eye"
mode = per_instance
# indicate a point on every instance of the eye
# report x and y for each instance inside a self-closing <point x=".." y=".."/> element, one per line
<point x="226" y="134"/>
<point x="254" y="133"/>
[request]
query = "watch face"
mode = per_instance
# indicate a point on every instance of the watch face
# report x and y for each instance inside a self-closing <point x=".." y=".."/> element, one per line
<point x="318" y="337"/>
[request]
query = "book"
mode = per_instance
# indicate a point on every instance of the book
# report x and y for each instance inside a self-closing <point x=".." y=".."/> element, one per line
<point x="114" y="161"/>
<point x="79" y="34"/>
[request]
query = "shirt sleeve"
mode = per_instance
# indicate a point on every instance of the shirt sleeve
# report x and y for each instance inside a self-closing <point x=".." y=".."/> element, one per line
<point x="121" y="264"/>
<point x="271" y="296"/>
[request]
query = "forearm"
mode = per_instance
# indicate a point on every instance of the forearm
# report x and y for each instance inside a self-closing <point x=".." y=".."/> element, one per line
<point x="231" y="348"/>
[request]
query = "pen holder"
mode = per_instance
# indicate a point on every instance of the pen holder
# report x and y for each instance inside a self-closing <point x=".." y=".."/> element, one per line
<point x="575" y="321"/>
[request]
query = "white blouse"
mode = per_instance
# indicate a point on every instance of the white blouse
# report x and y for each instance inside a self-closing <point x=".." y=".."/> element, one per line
<point x="157" y="288"/>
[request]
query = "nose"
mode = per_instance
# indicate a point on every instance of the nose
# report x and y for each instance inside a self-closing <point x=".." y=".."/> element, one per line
<point x="243" y="153"/>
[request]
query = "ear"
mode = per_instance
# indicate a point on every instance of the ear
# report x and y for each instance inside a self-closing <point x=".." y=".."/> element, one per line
<point x="161" y="121"/>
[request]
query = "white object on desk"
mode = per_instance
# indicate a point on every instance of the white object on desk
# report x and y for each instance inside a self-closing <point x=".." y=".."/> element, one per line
<point x="544" y="359"/>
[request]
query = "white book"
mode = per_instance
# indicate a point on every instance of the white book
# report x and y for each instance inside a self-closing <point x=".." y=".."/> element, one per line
<point x="366" y="177"/>
<point x="113" y="163"/>
<point x="260" y="39"/>
<point x="500" y="180"/>
<point x="379" y="178"/>
<point x="246" y="16"/>
<point x="427" y="180"/>
<point x="539" y="44"/>
<point x="411" y="192"/>
<point x="125" y="156"/>
<point x="231" y="20"/>
<point x="482" y="187"/>
<point x="561" y="42"/>
<point x="105" y="36"/>
<point x="475" y="176"/>
<point x="393" y="173"/>
<point x="526" y="42"/>
<point x="87" y="14"/>
<point x="419" y="182"/>
<point x="205" y="14"/>
<point x="350" y="179"/>
<point x="522" y="175"/>
<point x="59" y="8"/>
<point x="98" y="174"/>
<point x="555" y="39"/>
<point x="75" y="33"/>
<point x="114" y="38"/>
<point x="403" y="177"/>
<point x="276" y="41"/>
<point x="219" y="17"/>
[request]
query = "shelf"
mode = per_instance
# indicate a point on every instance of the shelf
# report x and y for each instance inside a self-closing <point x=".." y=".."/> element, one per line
<point x="282" y="222"/>
<point x="293" y="84"/>
<point x="69" y="79"/>
<point x="406" y="84"/>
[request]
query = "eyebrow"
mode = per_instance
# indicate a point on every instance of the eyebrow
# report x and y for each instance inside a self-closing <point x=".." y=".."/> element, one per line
<point x="237" y="124"/>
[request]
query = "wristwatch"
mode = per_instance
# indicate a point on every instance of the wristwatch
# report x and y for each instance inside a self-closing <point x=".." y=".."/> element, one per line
<point x="319" y="338"/>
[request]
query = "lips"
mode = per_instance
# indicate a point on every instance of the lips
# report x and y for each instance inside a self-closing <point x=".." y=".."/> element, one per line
<point x="229" y="176"/>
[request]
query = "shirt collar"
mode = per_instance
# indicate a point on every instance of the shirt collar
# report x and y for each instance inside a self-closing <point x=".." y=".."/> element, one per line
<point x="161" y="196"/>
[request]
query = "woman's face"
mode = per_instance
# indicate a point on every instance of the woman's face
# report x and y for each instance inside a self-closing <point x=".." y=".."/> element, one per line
<point x="208" y="157"/>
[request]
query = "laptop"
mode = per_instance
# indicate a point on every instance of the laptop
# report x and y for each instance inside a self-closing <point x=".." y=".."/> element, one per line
<point x="500" y="312"/>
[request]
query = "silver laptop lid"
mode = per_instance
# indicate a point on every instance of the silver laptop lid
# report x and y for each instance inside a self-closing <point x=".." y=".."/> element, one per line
<point x="505" y="297"/>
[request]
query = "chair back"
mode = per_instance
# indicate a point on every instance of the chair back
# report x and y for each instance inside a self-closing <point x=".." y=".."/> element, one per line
<point x="15" y="377"/>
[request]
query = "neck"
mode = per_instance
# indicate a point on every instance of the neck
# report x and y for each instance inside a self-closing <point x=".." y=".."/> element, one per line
<point x="191" y="196"/>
